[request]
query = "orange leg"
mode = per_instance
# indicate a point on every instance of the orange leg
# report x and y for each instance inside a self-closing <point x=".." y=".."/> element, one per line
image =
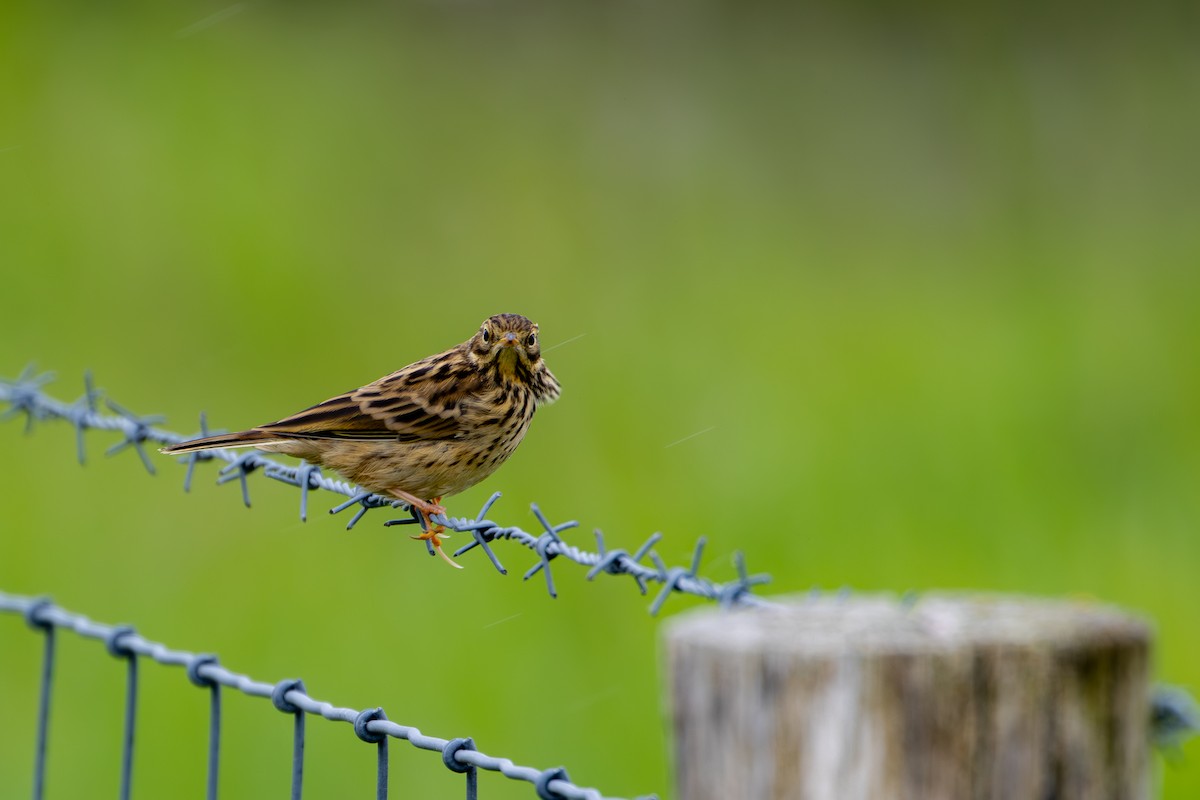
<point x="433" y="533"/>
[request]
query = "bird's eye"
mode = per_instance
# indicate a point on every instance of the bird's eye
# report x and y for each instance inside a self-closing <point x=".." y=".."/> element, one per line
<point x="531" y="340"/>
<point x="483" y="334"/>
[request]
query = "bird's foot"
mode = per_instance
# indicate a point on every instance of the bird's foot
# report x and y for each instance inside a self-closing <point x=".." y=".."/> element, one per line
<point x="434" y="537"/>
<point x="432" y="534"/>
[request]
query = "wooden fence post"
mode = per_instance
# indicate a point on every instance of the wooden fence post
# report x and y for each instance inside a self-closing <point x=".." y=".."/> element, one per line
<point x="950" y="698"/>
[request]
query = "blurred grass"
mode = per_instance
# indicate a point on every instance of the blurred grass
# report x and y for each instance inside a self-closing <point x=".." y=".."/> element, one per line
<point x="925" y="276"/>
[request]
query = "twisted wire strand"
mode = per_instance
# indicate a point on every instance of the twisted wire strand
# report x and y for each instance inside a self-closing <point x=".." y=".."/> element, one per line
<point x="205" y="672"/>
<point x="25" y="395"/>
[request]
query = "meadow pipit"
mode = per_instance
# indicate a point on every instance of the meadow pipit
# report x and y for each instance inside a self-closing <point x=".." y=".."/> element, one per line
<point x="432" y="429"/>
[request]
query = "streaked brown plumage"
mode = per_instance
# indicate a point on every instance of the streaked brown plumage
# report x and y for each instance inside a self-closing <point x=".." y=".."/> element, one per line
<point x="432" y="429"/>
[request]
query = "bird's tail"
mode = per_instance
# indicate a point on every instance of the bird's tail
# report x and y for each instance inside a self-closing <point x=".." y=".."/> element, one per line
<point x="250" y="438"/>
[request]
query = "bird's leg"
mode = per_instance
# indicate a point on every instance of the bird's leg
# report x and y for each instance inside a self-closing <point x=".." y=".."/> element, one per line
<point x="432" y="533"/>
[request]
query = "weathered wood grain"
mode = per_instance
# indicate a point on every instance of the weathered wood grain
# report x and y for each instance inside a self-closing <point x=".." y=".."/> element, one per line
<point x="952" y="698"/>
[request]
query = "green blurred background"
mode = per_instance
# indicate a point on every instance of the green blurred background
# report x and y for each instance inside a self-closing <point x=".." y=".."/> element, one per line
<point x="924" y="281"/>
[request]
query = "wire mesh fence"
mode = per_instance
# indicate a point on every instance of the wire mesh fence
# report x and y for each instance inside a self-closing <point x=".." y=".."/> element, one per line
<point x="289" y="696"/>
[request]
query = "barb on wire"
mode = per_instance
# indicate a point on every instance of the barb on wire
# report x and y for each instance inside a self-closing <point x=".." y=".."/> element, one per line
<point x="26" y="396"/>
<point x="1174" y="718"/>
<point x="289" y="696"/>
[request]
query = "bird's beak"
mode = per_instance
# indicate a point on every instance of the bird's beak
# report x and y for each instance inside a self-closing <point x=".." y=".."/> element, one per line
<point x="509" y="340"/>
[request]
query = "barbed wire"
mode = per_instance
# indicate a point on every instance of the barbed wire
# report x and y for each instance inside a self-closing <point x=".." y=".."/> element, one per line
<point x="26" y="396"/>
<point x="289" y="696"/>
<point x="1174" y="718"/>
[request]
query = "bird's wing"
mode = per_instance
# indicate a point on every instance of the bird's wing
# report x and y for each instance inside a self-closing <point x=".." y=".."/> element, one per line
<point x="423" y="401"/>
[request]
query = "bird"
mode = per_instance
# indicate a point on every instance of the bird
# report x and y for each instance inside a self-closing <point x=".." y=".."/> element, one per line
<point x="426" y="431"/>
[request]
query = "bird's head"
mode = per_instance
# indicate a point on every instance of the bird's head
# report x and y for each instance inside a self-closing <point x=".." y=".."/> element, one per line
<point x="507" y="341"/>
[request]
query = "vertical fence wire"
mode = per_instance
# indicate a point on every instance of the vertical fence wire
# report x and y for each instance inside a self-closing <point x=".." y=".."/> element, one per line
<point x="214" y="741"/>
<point x="114" y="643"/>
<point x="280" y="701"/>
<point x="33" y="617"/>
<point x="381" y="770"/>
<point x="298" y="756"/>
<point x="43" y="728"/>
<point x="472" y="784"/>
<point x="203" y="680"/>
<point x="131" y="682"/>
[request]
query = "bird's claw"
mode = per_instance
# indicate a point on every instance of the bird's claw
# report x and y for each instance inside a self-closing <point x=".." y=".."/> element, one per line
<point x="434" y="538"/>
